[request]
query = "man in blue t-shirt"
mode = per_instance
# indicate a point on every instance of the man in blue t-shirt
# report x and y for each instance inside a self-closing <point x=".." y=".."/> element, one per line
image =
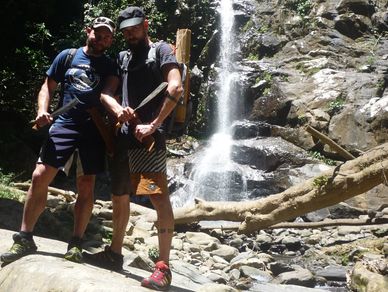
<point x="73" y="132"/>
<point x="134" y="168"/>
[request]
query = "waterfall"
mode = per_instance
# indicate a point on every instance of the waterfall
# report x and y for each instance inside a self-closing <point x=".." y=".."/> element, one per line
<point x="214" y="176"/>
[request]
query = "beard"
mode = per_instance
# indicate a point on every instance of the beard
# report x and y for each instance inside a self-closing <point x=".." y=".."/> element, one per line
<point x="95" y="48"/>
<point x="138" y="46"/>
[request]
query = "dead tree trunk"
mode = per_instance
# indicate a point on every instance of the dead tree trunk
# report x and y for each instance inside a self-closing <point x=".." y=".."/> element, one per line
<point x="331" y="187"/>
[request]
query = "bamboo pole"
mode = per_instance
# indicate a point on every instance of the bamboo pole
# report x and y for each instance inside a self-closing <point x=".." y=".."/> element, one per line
<point x="183" y="44"/>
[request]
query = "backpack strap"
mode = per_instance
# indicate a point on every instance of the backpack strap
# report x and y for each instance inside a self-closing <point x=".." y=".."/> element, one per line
<point x="69" y="58"/>
<point x="66" y="65"/>
<point x="123" y="61"/>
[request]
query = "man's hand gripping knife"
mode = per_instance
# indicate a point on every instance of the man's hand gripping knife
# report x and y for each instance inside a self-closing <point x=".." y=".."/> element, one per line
<point x="141" y="131"/>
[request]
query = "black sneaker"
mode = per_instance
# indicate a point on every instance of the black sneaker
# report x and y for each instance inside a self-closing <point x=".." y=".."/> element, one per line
<point x="106" y="259"/>
<point x="74" y="250"/>
<point x="20" y="248"/>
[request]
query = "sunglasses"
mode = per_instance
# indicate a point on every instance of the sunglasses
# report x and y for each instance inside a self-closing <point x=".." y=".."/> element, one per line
<point x="104" y="20"/>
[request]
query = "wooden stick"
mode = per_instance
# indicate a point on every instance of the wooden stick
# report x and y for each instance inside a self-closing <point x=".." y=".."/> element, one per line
<point x="69" y="195"/>
<point x="337" y="148"/>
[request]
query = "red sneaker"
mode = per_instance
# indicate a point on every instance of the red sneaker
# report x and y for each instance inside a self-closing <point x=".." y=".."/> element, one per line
<point x="160" y="279"/>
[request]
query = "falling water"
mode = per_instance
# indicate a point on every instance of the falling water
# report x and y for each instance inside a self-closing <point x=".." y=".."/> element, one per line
<point x="214" y="176"/>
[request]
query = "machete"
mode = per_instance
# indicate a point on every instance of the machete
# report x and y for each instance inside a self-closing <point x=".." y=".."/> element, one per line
<point x="162" y="87"/>
<point x="148" y="141"/>
<point x="60" y="111"/>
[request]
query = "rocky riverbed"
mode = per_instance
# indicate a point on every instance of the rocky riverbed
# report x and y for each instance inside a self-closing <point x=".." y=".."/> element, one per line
<point x="284" y="259"/>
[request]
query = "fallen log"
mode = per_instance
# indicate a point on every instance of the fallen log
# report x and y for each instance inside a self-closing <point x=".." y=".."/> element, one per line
<point x="68" y="195"/>
<point x="312" y="225"/>
<point x="350" y="179"/>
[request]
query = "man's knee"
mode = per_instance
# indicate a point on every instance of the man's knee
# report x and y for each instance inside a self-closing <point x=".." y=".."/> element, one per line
<point x="85" y="184"/>
<point x="161" y="200"/>
<point x="42" y="175"/>
<point x="119" y="199"/>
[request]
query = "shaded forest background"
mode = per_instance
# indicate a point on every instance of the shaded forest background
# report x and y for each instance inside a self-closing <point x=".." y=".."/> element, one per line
<point x="33" y="32"/>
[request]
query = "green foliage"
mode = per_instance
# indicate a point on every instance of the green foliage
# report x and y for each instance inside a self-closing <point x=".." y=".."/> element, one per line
<point x="322" y="158"/>
<point x="21" y="78"/>
<point x="248" y="25"/>
<point x="284" y="78"/>
<point x="153" y="254"/>
<point x="6" y="178"/>
<point x="201" y="121"/>
<point x="10" y="193"/>
<point x="336" y="105"/>
<point x="267" y="76"/>
<point x="309" y="71"/>
<point x="302" y="7"/>
<point x="267" y="91"/>
<point x="371" y="60"/>
<point x="302" y="119"/>
<point x="107" y="236"/>
<point x="320" y="181"/>
<point x="6" y="192"/>
<point x="264" y="28"/>
<point x="253" y="57"/>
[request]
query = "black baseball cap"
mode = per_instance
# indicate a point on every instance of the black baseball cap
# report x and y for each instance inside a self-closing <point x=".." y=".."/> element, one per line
<point x="130" y="16"/>
<point x="104" y="21"/>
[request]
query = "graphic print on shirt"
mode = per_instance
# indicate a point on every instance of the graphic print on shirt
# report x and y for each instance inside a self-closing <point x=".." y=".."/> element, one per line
<point x="83" y="77"/>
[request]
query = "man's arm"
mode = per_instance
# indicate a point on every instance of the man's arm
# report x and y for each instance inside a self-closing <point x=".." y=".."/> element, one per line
<point x="44" y="97"/>
<point x="110" y="102"/>
<point x="174" y="91"/>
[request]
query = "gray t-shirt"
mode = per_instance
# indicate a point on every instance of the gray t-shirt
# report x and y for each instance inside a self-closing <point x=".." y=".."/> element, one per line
<point x="144" y="75"/>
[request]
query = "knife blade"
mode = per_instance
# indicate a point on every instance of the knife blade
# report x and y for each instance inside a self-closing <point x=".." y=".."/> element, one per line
<point x="162" y="86"/>
<point x="59" y="111"/>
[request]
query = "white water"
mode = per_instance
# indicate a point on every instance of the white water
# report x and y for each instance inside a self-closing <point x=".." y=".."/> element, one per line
<point x="214" y="174"/>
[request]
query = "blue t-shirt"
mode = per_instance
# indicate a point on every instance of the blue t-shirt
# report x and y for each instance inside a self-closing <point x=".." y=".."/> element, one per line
<point x="84" y="79"/>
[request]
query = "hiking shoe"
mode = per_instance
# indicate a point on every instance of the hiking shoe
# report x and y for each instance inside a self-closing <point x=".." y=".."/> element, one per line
<point x="74" y="255"/>
<point x="20" y="248"/>
<point x="106" y="259"/>
<point x="160" y="279"/>
<point x="74" y="250"/>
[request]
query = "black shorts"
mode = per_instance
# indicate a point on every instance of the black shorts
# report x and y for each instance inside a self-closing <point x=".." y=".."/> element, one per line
<point x="62" y="142"/>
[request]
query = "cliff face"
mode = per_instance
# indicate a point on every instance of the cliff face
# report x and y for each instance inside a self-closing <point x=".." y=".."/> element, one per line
<point x="322" y="63"/>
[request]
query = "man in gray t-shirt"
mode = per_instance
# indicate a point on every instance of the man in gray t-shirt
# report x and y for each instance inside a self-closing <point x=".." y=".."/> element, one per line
<point x="135" y="169"/>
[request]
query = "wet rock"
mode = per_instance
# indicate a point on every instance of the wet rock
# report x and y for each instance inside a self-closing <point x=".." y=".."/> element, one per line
<point x="226" y="252"/>
<point x="300" y="277"/>
<point x="279" y="268"/>
<point x="362" y="7"/>
<point x="343" y="210"/>
<point x="189" y="270"/>
<point x="201" y="238"/>
<point x="259" y="275"/>
<point x="216" y="288"/>
<point x="292" y="243"/>
<point x="332" y="273"/>
<point x="248" y="129"/>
